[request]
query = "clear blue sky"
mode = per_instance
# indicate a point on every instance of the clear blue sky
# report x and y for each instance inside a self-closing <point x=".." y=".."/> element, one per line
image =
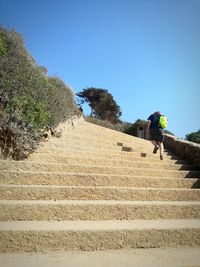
<point x="146" y="53"/>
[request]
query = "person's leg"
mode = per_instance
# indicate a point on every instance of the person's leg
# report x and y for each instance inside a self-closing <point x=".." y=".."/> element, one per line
<point x="153" y="140"/>
<point x="156" y="147"/>
<point x="154" y="143"/>
<point x="160" y="139"/>
<point x="161" y="150"/>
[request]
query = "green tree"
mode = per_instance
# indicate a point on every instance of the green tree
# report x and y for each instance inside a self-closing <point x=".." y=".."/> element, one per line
<point x="102" y="104"/>
<point x="194" y="137"/>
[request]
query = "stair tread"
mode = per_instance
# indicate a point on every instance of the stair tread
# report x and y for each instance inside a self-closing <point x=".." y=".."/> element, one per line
<point x="21" y="163"/>
<point x="99" y="187"/>
<point x="107" y="225"/>
<point x="99" y="174"/>
<point x="65" y="174"/>
<point x="114" y="163"/>
<point x="96" y="202"/>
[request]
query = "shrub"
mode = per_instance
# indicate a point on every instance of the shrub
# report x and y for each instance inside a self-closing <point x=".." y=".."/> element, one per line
<point x="61" y="103"/>
<point x="194" y="137"/>
<point x="3" y="43"/>
<point x="17" y="139"/>
<point x="132" y="129"/>
<point x="32" y="112"/>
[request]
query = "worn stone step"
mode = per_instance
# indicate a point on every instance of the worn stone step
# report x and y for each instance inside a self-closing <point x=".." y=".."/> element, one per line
<point x="81" y="143"/>
<point x="91" y="162"/>
<point x="84" y="168"/>
<point x="47" y="178"/>
<point x="98" y="155"/>
<point x="112" y="138"/>
<point x="81" y="140"/>
<point x="91" y="131"/>
<point x="90" y="142"/>
<point x="82" y="146"/>
<point x="48" y="192"/>
<point x="97" y="235"/>
<point x="102" y="150"/>
<point x="97" y="210"/>
<point x="100" y="146"/>
<point x="145" y="161"/>
<point x="157" y="257"/>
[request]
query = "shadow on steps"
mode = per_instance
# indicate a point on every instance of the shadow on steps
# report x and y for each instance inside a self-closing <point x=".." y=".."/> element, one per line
<point x="196" y="184"/>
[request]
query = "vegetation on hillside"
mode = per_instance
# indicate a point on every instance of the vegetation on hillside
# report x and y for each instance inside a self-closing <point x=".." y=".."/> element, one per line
<point x="121" y="127"/>
<point x="30" y="101"/>
<point x="125" y="127"/>
<point x="193" y="137"/>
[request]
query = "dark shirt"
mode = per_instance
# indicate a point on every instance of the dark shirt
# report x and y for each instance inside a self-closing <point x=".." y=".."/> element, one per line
<point x="154" y="118"/>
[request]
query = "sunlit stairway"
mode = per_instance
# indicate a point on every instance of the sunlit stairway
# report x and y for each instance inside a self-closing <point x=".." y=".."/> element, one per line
<point x="87" y="191"/>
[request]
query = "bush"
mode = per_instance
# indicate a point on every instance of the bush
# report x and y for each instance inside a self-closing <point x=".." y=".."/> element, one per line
<point x="17" y="139"/>
<point x="3" y="44"/>
<point x="133" y="128"/>
<point x="32" y="112"/>
<point x="194" y="137"/>
<point x="61" y="103"/>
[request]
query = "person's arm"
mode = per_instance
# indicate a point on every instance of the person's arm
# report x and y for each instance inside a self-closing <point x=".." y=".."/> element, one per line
<point x="148" y="127"/>
<point x="148" y="124"/>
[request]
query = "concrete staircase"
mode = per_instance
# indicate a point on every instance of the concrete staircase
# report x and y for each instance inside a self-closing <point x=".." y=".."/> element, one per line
<point x="84" y="191"/>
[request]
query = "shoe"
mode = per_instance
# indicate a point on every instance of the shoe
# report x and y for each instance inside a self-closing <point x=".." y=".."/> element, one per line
<point x="155" y="149"/>
<point x="161" y="157"/>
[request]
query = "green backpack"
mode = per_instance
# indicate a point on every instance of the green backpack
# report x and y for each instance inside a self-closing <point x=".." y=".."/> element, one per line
<point x="162" y="121"/>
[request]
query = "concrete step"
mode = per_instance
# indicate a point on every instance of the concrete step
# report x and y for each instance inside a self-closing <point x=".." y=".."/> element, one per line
<point x="70" y="179"/>
<point x="97" y="235"/>
<point x="161" y="170"/>
<point x="151" y="257"/>
<point x="141" y="161"/>
<point x="91" y="132"/>
<point x="85" y="146"/>
<point x="48" y="192"/>
<point x="26" y="210"/>
<point x="101" y="145"/>
<point x="97" y="155"/>
<point x="39" y="165"/>
<point x="91" y="149"/>
<point x="112" y="137"/>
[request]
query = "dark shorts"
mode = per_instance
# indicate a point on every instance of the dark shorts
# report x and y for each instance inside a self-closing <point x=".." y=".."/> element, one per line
<point x="156" y="135"/>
